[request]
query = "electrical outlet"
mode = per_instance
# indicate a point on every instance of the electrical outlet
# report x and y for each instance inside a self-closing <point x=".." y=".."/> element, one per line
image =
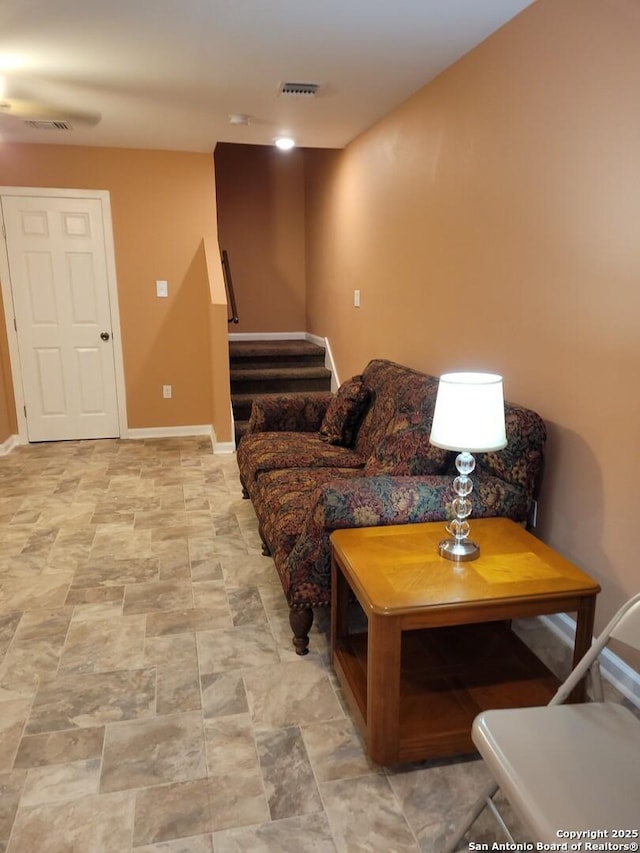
<point x="167" y="392"/>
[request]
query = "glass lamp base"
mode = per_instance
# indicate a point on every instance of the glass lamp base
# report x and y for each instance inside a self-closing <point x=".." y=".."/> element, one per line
<point x="451" y="549"/>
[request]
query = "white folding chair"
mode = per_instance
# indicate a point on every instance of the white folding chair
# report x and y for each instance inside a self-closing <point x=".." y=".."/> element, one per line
<point x="566" y="768"/>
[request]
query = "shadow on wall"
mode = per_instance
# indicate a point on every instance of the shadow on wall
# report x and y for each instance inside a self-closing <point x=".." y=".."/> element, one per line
<point x="577" y="518"/>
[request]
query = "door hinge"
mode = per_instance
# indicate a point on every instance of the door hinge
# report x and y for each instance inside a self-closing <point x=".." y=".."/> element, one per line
<point x="4" y="230"/>
<point x="25" y="411"/>
<point x="15" y="325"/>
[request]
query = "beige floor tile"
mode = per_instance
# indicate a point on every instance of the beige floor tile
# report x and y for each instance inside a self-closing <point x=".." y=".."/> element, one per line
<point x="238" y="799"/>
<point x="177" y="811"/>
<point x="247" y="569"/>
<point x="8" y="626"/>
<point x="246" y="607"/>
<point x="104" y="645"/>
<point x="223" y="694"/>
<point x="101" y="823"/>
<point x="13" y="715"/>
<point x="212" y="596"/>
<point x="157" y="597"/>
<point x="150" y="696"/>
<point x="291" y="694"/>
<point x="288" y="776"/>
<point x="153" y="751"/>
<point x="192" y="844"/>
<point x="93" y="699"/>
<point x="60" y="747"/>
<point x="230" y="742"/>
<point x="336" y="751"/>
<point x="176" y="661"/>
<point x="365" y="816"/>
<point x="236" y="648"/>
<point x="115" y="571"/>
<point x="187" y="621"/>
<point x="306" y="834"/>
<point x="61" y="782"/>
<point x="46" y="592"/>
<point x="208" y="569"/>
<point x="11" y="786"/>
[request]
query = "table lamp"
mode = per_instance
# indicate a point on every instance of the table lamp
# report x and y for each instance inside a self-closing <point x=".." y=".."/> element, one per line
<point x="468" y="417"/>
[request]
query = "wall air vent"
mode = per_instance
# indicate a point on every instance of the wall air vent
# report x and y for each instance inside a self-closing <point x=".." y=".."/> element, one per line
<point x="47" y="124"/>
<point x="301" y="89"/>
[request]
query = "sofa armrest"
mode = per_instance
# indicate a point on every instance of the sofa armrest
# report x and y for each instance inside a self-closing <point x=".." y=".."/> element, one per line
<point x="288" y="412"/>
<point x="377" y="501"/>
<point x="373" y="501"/>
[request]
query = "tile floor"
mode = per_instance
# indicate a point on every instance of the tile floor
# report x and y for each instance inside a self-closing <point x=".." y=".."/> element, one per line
<point x="150" y="698"/>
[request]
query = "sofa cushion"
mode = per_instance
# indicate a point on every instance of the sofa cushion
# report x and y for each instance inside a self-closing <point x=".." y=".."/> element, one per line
<point x="271" y="451"/>
<point x="406" y="450"/>
<point x="345" y="412"/>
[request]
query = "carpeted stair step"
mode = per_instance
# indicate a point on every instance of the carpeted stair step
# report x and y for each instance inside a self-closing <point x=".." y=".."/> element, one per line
<point x="257" y="380"/>
<point x="273" y="367"/>
<point x="274" y="353"/>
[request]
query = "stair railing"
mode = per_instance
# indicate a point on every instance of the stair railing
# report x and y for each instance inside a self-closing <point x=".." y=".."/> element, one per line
<point x="228" y="283"/>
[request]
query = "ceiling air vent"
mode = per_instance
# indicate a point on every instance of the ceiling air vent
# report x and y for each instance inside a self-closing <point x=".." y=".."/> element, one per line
<point x="47" y="124"/>
<point x="305" y="89"/>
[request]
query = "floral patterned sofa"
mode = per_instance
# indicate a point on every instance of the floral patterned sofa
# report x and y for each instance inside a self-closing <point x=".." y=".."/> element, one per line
<point x="314" y="463"/>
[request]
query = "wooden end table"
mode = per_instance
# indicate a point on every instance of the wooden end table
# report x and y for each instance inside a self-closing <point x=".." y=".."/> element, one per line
<point x="414" y="692"/>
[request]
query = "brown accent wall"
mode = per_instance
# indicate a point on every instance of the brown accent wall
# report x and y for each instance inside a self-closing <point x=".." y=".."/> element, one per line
<point x="492" y="222"/>
<point x="163" y="205"/>
<point x="260" y="198"/>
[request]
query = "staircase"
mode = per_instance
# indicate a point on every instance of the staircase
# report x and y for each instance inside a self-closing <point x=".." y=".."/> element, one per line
<point x="273" y="367"/>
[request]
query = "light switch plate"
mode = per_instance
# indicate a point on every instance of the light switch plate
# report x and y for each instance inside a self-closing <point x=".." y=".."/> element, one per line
<point x="162" y="288"/>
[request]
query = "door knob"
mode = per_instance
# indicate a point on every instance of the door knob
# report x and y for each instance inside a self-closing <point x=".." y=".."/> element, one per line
<point x="104" y="336"/>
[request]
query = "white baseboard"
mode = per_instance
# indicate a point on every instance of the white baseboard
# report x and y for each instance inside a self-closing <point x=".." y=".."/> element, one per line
<point x="8" y="444"/>
<point x="170" y="432"/>
<point x="220" y="448"/>
<point x="623" y="677"/>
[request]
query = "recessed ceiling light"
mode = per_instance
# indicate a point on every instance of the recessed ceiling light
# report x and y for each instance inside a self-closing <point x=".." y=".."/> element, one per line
<point x="284" y="143"/>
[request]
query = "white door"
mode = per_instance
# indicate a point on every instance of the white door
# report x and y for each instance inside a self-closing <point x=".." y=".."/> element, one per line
<point x="59" y="283"/>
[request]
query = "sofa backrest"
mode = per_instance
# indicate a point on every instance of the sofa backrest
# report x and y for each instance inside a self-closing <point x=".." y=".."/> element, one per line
<point x="520" y="463"/>
<point x="396" y="391"/>
<point x="403" y="398"/>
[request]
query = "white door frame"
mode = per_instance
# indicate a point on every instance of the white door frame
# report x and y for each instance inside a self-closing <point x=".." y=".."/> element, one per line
<point x="112" y="284"/>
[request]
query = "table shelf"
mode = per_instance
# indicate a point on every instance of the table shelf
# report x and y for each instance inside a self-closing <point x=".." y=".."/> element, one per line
<point x="448" y="675"/>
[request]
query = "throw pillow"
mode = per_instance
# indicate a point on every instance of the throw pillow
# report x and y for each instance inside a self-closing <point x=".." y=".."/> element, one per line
<point x="344" y="413"/>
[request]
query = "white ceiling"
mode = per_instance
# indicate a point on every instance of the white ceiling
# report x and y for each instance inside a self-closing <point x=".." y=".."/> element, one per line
<point x="168" y="73"/>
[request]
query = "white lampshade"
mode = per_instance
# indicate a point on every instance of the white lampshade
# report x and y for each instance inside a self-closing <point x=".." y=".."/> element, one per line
<point x="469" y="413"/>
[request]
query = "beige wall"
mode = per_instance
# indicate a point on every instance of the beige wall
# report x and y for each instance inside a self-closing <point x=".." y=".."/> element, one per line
<point x="8" y="424"/>
<point x="493" y="221"/>
<point x="260" y="194"/>
<point x="163" y="205"/>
